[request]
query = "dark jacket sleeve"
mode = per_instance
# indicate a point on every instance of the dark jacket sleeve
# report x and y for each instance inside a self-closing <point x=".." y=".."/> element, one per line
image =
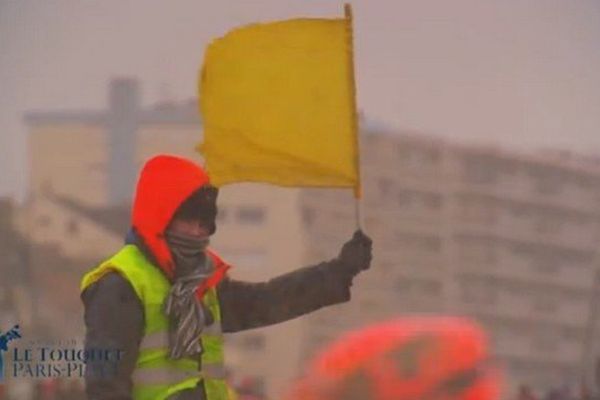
<point x="114" y="320"/>
<point x="246" y="305"/>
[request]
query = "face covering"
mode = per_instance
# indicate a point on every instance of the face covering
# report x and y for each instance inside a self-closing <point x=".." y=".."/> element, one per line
<point x="187" y="315"/>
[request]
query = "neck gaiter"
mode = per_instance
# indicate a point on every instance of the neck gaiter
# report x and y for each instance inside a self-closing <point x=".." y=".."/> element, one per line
<point x="187" y="315"/>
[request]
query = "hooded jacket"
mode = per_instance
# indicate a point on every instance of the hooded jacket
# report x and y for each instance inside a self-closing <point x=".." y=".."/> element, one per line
<point x="114" y="316"/>
<point x="164" y="184"/>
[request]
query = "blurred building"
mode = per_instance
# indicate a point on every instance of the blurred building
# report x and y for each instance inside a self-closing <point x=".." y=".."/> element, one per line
<point x="15" y="299"/>
<point x="82" y="171"/>
<point x="509" y="239"/>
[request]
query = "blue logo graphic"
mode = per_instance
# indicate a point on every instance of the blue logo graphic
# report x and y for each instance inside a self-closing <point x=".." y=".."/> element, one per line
<point x="12" y="334"/>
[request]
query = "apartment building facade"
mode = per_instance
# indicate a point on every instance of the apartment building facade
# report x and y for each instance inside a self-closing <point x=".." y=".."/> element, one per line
<point x="508" y="239"/>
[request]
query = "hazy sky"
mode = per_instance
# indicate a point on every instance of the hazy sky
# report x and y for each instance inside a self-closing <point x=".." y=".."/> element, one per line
<point x="521" y="73"/>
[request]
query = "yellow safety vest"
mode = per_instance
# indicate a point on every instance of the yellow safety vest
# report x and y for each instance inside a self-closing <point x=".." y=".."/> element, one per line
<point x="156" y="376"/>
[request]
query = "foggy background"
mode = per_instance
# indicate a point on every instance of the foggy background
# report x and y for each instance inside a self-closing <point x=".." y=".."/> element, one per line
<point x="523" y="73"/>
<point x="468" y="215"/>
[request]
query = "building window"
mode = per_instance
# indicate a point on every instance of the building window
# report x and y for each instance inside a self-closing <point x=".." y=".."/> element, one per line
<point x="72" y="227"/>
<point x="384" y="265"/>
<point x="318" y="341"/>
<point x="251" y="215"/>
<point x="432" y="201"/>
<point x="518" y="211"/>
<point x="548" y="224"/>
<point x="521" y="250"/>
<point x="47" y="187"/>
<point x="479" y="170"/>
<point x="423" y="200"/>
<point x="478" y="251"/>
<point x="417" y="243"/>
<point x="545" y="305"/>
<point x="573" y="335"/>
<point x="548" y="184"/>
<point x="546" y="265"/>
<point x="430" y="287"/>
<point x="368" y="305"/>
<point x="253" y="342"/>
<point x="385" y="186"/>
<point x="418" y="287"/>
<point x="308" y="215"/>
<point x="405" y="198"/>
<point x="479" y="210"/>
<point x="545" y="343"/>
<point x="478" y="292"/>
<point x="43" y="221"/>
<point x="418" y="157"/>
<point x="403" y="284"/>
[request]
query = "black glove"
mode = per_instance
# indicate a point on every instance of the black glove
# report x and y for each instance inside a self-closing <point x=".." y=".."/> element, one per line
<point x="355" y="255"/>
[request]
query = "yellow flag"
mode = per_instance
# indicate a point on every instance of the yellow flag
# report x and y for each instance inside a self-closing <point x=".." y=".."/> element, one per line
<point x="278" y="105"/>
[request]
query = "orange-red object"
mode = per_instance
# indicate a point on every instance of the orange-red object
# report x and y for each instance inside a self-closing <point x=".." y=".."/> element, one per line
<point x="164" y="183"/>
<point x="404" y="359"/>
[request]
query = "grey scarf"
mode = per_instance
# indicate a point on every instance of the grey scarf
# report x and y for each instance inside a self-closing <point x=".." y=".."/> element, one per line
<point x="187" y="315"/>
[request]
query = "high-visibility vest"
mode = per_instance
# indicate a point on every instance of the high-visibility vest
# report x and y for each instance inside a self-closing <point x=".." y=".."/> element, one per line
<point x="156" y="376"/>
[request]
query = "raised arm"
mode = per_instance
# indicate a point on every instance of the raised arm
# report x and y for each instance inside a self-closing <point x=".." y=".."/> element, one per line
<point x="251" y="305"/>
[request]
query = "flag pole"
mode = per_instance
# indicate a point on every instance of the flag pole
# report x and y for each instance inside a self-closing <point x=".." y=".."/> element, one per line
<point x="352" y="85"/>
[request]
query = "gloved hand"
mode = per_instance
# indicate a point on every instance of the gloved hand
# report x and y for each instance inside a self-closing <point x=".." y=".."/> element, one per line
<point x="355" y="255"/>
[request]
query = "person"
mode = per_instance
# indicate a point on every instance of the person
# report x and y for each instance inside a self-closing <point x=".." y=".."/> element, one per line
<point x="164" y="300"/>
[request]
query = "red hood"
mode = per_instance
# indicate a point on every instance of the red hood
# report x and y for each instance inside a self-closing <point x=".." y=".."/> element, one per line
<point x="164" y="183"/>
